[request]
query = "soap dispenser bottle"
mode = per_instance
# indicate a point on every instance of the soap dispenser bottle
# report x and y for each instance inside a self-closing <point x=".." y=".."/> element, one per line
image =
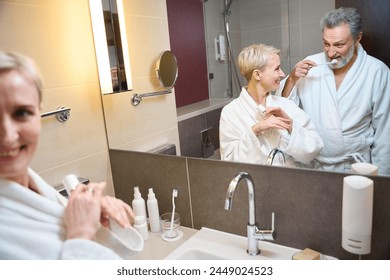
<point x="154" y="214"/>
<point x="138" y="204"/>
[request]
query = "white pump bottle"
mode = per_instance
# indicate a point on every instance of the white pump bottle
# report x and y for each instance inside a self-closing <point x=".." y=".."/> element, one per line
<point x="154" y="214"/>
<point x="138" y="204"/>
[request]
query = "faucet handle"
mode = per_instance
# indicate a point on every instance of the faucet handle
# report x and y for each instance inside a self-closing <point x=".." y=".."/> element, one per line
<point x="266" y="234"/>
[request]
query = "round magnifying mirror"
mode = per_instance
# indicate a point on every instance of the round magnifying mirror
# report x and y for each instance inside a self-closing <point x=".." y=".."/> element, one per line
<point x="166" y="69"/>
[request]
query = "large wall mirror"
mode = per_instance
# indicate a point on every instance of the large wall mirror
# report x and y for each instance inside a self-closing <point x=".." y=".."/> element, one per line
<point x="247" y="27"/>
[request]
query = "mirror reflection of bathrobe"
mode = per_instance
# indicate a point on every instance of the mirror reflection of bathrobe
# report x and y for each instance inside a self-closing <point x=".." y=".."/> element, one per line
<point x="353" y="121"/>
<point x="239" y="143"/>
<point x="31" y="225"/>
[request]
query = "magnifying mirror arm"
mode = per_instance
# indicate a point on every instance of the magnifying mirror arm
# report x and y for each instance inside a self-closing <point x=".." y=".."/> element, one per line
<point x="137" y="98"/>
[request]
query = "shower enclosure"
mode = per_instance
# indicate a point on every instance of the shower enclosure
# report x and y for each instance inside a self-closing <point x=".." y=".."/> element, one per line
<point x="290" y="25"/>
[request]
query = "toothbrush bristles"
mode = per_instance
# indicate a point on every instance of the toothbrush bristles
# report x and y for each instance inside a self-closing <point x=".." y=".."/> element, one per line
<point x="333" y="62"/>
<point x="174" y="193"/>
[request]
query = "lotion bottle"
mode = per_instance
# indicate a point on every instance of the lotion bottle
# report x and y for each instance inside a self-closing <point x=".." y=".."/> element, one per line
<point x="138" y="204"/>
<point x="154" y="214"/>
<point x="141" y="226"/>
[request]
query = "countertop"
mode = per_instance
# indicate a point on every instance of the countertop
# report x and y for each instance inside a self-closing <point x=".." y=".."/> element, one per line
<point x="157" y="249"/>
<point x="202" y="107"/>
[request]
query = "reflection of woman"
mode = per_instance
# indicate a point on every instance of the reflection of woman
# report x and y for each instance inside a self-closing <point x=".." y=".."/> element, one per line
<point x="256" y="122"/>
<point x="36" y="222"/>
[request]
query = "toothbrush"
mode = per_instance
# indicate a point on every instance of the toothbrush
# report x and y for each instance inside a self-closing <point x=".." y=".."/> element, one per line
<point x="333" y="62"/>
<point x="174" y="194"/>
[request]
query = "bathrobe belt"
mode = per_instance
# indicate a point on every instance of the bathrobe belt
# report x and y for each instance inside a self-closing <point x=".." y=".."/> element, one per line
<point x="356" y="156"/>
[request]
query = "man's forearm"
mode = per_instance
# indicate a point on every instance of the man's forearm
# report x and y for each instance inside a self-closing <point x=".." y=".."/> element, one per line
<point x="288" y="86"/>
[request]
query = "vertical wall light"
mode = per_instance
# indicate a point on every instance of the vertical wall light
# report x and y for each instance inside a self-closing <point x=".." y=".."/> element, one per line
<point x="109" y="72"/>
<point x="125" y="47"/>
<point x="101" y="49"/>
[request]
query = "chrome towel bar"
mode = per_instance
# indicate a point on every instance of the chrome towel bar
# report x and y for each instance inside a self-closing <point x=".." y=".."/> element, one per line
<point x="62" y="114"/>
<point x="137" y="98"/>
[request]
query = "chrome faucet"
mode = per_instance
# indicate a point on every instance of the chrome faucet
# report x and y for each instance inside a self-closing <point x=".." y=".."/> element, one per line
<point x="253" y="233"/>
<point x="272" y="154"/>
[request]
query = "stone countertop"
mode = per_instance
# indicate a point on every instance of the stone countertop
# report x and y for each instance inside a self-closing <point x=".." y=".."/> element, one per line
<point x="201" y="107"/>
<point x="156" y="248"/>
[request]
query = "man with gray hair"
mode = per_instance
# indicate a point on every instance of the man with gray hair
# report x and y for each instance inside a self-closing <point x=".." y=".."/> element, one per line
<point x="346" y="92"/>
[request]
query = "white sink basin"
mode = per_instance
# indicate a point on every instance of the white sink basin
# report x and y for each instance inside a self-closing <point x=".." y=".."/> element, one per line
<point x="209" y="244"/>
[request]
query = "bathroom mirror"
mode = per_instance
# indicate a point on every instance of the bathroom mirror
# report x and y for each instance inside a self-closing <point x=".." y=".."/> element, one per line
<point x="143" y="119"/>
<point x="167" y="70"/>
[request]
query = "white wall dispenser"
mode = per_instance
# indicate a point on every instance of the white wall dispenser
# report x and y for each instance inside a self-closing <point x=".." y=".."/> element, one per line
<point x="358" y="196"/>
<point x="220" y="48"/>
<point x="364" y="168"/>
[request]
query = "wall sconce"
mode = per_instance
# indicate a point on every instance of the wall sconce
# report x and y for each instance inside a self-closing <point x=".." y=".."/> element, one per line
<point x="109" y="31"/>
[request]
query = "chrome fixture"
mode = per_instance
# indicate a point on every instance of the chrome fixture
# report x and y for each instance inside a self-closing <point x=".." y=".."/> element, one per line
<point x="137" y="98"/>
<point x="62" y="114"/>
<point x="272" y="154"/>
<point x="253" y="233"/>
<point x="166" y="71"/>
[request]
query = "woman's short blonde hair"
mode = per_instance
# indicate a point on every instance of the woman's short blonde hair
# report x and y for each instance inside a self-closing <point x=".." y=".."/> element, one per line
<point x="254" y="57"/>
<point x="24" y="65"/>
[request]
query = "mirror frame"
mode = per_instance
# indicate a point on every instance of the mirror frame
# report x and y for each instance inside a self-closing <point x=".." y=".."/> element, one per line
<point x="167" y="69"/>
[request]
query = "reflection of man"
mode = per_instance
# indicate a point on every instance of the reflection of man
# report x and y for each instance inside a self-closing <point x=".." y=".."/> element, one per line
<point x="349" y="101"/>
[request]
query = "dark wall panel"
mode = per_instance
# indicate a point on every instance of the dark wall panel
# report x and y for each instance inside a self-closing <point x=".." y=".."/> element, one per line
<point x="376" y="26"/>
<point x="187" y="39"/>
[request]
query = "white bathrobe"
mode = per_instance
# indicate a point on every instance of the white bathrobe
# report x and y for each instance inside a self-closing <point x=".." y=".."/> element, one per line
<point x="239" y="143"/>
<point x="31" y="225"/>
<point x="353" y="121"/>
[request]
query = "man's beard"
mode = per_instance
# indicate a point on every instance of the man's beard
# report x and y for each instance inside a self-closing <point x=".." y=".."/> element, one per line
<point x="341" y="62"/>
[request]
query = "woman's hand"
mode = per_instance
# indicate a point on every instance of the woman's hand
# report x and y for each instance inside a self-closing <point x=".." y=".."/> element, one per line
<point x="274" y="117"/>
<point x="82" y="214"/>
<point x="117" y="210"/>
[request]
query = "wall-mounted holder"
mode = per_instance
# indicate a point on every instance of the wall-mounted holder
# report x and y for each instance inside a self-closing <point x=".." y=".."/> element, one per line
<point x="207" y="145"/>
<point x="167" y="71"/>
<point x="220" y="48"/>
<point x="357" y="211"/>
<point x="137" y="98"/>
<point x="62" y="114"/>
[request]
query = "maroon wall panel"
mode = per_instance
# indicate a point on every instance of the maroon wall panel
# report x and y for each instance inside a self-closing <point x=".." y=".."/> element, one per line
<point x="376" y="26"/>
<point x="187" y="39"/>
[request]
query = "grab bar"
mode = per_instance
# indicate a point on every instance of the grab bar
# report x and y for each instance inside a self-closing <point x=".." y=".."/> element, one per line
<point x="137" y="98"/>
<point x="62" y="114"/>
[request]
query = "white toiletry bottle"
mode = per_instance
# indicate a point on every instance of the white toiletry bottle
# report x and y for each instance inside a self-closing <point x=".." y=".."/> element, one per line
<point x="141" y="226"/>
<point x="138" y="204"/>
<point x="154" y="214"/>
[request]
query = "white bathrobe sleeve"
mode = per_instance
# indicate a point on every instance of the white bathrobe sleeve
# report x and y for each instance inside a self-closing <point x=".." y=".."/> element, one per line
<point x="380" y="151"/>
<point x="237" y="140"/>
<point x="82" y="249"/>
<point x="32" y="226"/>
<point x="304" y="143"/>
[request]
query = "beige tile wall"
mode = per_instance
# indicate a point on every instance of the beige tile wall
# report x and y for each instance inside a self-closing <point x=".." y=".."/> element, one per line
<point x="58" y="36"/>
